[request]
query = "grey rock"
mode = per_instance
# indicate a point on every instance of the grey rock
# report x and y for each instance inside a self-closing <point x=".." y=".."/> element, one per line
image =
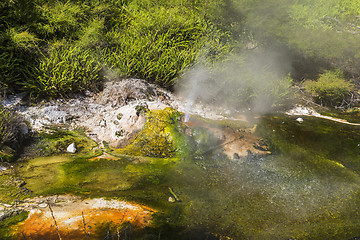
<point x="55" y="115"/>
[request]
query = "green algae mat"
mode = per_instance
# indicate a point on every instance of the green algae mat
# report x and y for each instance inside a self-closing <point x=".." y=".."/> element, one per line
<point x="308" y="188"/>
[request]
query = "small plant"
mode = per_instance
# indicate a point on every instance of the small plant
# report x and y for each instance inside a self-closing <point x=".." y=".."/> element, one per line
<point x="12" y="132"/>
<point x="119" y="133"/>
<point x="119" y="116"/>
<point x="9" y="126"/>
<point x="330" y="89"/>
<point x="141" y="108"/>
<point x="16" y="61"/>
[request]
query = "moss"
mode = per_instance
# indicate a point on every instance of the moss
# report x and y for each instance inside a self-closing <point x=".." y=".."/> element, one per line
<point x="161" y="136"/>
<point x="41" y="174"/>
<point x="304" y="190"/>
<point x="100" y="178"/>
<point x="315" y="137"/>
<point x="10" y="189"/>
<point x="56" y="140"/>
<point x="6" y="226"/>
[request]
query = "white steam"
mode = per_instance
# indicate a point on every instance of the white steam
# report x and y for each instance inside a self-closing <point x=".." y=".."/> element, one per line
<point x="257" y="82"/>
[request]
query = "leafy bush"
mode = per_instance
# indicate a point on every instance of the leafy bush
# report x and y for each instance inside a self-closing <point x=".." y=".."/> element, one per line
<point x="330" y="89"/>
<point x="65" y="70"/>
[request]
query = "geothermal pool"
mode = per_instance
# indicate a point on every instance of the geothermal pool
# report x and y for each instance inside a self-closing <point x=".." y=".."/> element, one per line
<point x="308" y="187"/>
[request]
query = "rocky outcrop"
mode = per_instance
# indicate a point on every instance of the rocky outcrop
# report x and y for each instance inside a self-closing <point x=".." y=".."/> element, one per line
<point x="114" y="115"/>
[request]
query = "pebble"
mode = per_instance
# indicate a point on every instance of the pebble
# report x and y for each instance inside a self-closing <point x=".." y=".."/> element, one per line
<point x="300" y="120"/>
<point x="71" y="148"/>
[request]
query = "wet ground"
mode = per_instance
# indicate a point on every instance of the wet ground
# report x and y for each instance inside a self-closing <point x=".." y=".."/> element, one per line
<point x="307" y="188"/>
<point x="69" y="217"/>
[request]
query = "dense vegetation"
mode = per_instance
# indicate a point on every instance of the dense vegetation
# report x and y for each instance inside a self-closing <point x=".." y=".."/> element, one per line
<point x="56" y="48"/>
<point x="248" y="54"/>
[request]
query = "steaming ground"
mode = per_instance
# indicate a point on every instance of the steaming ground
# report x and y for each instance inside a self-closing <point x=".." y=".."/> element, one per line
<point x="308" y="188"/>
<point x="256" y="83"/>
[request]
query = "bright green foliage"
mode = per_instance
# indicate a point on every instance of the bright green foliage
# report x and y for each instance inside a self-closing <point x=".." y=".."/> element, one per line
<point x="159" y="44"/>
<point x="325" y="32"/>
<point x="338" y="14"/>
<point x="56" y="141"/>
<point x="64" y="71"/>
<point x="331" y="88"/>
<point x="23" y="39"/>
<point x="68" y="40"/>
<point x="60" y="18"/>
<point x="159" y="138"/>
<point x="160" y="40"/>
<point x="244" y="83"/>
<point x="17" y="59"/>
<point x="91" y="35"/>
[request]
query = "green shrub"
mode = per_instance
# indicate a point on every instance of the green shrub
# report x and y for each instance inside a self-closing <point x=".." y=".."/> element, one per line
<point x="17" y="57"/>
<point x="52" y="48"/>
<point x="330" y="89"/>
<point x="10" y="131"/>
<point x="60" y="19"/>
<point x="91" y="35"/>
<point x="65" y="70"/>
<point x="159" y="44"/>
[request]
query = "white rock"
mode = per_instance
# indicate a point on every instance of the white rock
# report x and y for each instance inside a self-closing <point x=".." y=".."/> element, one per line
<point x="300" y="120"/>
<point x="43" y="205"/>
<point x="2" y="168"/>
<point x="71" y="148"/>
